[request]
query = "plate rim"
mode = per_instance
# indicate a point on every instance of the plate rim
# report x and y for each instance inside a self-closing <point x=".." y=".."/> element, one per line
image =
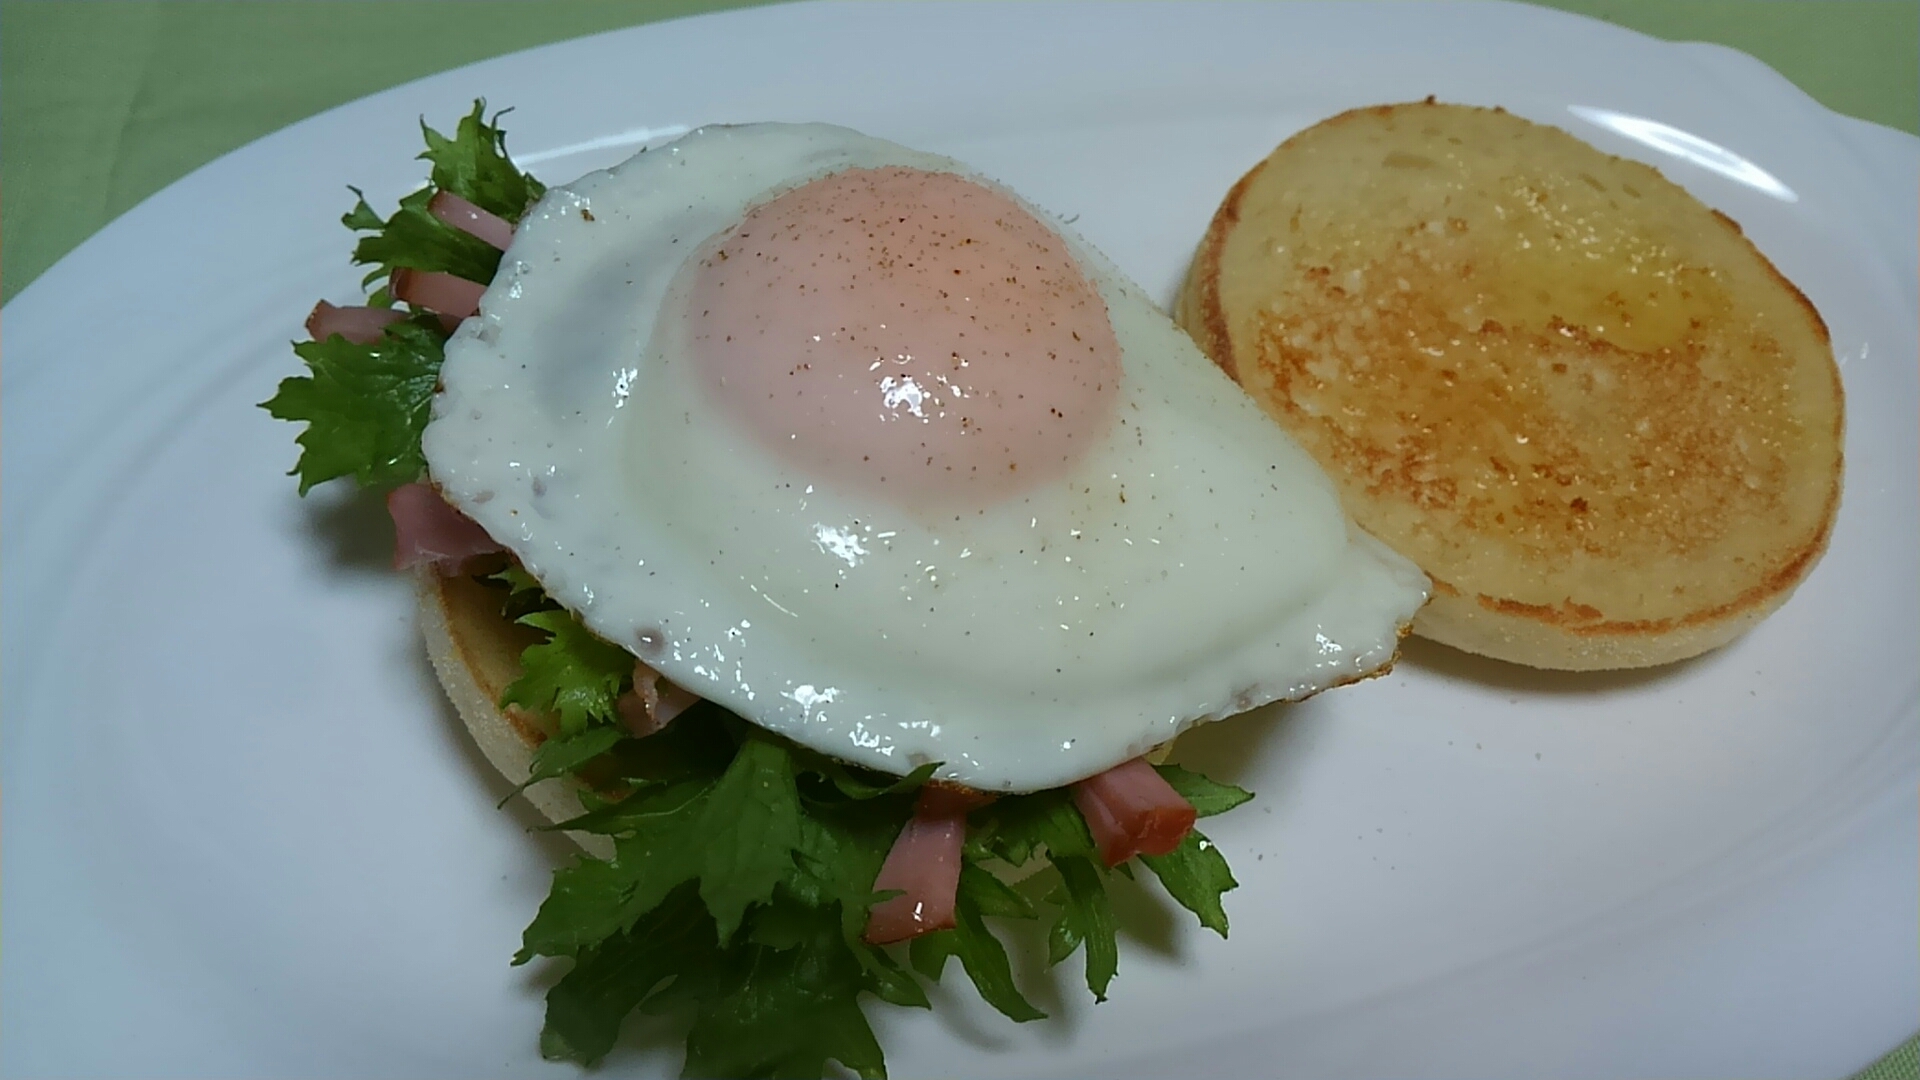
<point x="1909" y="143"/>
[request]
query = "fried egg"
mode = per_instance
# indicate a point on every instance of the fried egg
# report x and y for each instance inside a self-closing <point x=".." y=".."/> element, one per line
<point x="860" y="445"/>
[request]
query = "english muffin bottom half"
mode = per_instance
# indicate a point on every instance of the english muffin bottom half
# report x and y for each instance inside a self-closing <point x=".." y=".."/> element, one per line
<point x="1577" y="397"/>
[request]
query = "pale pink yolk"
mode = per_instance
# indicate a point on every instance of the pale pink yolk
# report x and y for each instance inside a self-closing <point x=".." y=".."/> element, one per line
<point x="913" y="333"/>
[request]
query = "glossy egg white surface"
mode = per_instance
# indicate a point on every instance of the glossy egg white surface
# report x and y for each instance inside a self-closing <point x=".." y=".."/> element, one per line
<point x="1188" y="563"/>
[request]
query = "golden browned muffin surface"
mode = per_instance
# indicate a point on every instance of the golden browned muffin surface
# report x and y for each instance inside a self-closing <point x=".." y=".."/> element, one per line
<point x="1579" y="399"/>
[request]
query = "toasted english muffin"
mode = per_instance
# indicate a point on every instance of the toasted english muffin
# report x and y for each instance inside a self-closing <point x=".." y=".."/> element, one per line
<point x="475" y="652"/>
<point x="1578" y="398"/>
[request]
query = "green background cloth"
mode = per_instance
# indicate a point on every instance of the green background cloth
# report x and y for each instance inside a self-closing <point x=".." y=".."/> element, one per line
<point x="102" y="104"/>
<point x="106" y="103"/>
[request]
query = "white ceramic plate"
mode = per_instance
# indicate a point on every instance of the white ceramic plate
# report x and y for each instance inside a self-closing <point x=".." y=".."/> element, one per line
<point x="245" y="837"/>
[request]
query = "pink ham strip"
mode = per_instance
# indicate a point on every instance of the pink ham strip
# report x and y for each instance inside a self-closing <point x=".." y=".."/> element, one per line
<point x="653" y="702"/>
<point x="428" y="532"/>
<point x="1131" y="810"/>
<point x="924" y="863"/>
<point x="360" y="325"/>
<point x="470" y="219"/>
<point x="442" y="293"/>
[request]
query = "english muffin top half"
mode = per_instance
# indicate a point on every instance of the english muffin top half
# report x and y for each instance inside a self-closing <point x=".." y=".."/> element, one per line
<point x="1581" y="400"/>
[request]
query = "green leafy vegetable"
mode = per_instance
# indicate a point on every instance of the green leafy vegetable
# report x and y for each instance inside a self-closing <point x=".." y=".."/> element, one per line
<point x="1195" y="874"/>
<point x="760" y="857"/>
<point x="1209" y="797"/>
<point x="564" y="755"/>
<point x="842" y="845"/>
<point x="1017" y="828"/>
<point x="365" y="405"/>
<point x="980" y="952"/>
<point x="754" y="814"/>
<point x="573" y="674"/>
<point x="1086" y="917"/>
<point x="474" y="165"/>
<point x="786" y="1008"/>
<point x="991" y="895"/>
<point x="590" y="901"/>
<point x="415" y="239"/>
<point x="524" y="594"/>
<point x="928" y="953"/>
<point x="656" y="854"/>
<point x="773" y="964"/>
<point x="853" y="786"/>
<point x="361" y="218"/>
<point x="587" y="1006"/>
<point x="781" y="886"/>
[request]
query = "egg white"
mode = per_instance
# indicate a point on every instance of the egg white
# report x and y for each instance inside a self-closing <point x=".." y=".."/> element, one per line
<point x="1194" y="564"/>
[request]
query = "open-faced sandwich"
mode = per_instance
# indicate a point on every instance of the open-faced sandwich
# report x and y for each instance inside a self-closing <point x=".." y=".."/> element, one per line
<point x="827" y="536"/>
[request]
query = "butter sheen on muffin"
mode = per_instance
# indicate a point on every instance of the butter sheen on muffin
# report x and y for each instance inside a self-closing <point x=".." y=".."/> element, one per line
<point x="1579" y="399"/>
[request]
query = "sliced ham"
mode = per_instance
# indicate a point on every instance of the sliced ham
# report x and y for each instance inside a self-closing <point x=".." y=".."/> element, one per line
<point x="443" y="293"/>
<point x="470" y="219"/>
<point x="653" y="702"/>
<point x="924" y="864"/>
<point x="1131" y="810"/>
<point x="360" y="325"/>
<point x="428" y="532"/>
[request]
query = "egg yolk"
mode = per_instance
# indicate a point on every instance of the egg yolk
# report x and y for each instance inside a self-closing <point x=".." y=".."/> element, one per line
<point x="908" y="332"/>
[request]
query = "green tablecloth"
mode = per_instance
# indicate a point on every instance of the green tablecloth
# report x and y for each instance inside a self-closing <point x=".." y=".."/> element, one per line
<point x="105" y="103"/>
